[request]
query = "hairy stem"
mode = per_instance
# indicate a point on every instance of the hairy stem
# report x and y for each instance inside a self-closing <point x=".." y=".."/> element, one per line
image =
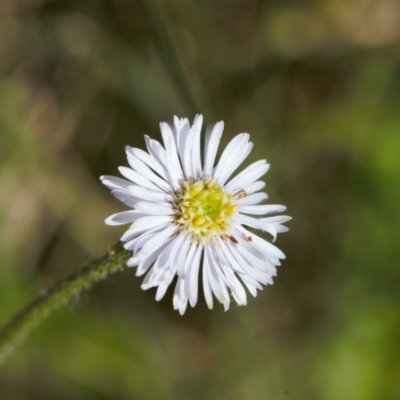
<point x="59" y="295"/>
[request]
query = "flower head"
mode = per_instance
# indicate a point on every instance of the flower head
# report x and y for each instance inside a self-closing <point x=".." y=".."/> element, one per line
<point x="189" y="217"/>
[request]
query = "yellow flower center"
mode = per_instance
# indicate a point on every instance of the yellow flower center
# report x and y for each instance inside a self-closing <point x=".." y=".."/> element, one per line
<point x="205" y="209"/>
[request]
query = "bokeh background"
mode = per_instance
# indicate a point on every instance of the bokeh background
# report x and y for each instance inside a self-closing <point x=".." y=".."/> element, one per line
<point x="315" y="83"/>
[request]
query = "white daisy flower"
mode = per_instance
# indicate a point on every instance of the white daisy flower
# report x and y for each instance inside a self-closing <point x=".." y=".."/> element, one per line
<point x="188" y="218"/>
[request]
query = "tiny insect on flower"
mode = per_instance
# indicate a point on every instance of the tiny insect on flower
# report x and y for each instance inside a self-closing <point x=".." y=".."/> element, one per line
<point x="189" y="217"/>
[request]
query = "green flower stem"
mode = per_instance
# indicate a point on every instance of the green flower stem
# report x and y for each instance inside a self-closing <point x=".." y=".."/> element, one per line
<point x="59" y="295"/>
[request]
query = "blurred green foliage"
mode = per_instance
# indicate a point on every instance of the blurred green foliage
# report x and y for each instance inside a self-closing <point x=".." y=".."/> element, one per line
<point x="316" y="84"/>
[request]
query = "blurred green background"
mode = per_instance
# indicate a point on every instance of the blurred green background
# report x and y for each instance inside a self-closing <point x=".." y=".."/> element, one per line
<point x="315" y="83"/>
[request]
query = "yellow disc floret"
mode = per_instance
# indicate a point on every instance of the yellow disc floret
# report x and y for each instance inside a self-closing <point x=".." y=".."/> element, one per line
<point x="204" y="209"/>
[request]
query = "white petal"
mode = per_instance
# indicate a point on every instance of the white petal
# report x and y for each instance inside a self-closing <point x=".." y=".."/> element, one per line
<point x="112" y="182"/>
<point x="234" y="162"/>
<point x="147" y="159"/>
<point x="206" y="282"/>
<point x="213" y="136"/>
<point x="217" y="285"/>
<point x="237" y="261"/>
<point x="183" y="265"/>
<point x="236" y="287"/>
<point x="182" y="127"/>
<point x="125" y="217"/>
<point x="254" y="187"/>
<point x="277" y="222"/>
<point x="172" y="153"/>
<point x="248" y="175"/>
<point x="262" y="265"/>
<point x="147" y="260"/>
<point x="182" y="308"/>
<point x="234" y="154"/>
<point x="271" y="225"/>
<point x="236" y="267"/>
<point x="162" y="288"/>
<point x="134" y="241"/>
<point x="161" y="271"/>
<point x="133" y="261"/>
<point x="188" y="153"/>
<point x="158" y="153"/>
<point x="167" y="134"/>
<point x="182" y="256"/>
<point x="225" y="272"/>
<point x="261" y="209"/>
<point x="270" y="250"/>
<point x="254" y="198"/>
<point x="156" y="241"/>
<point x="149" y="195"/>
<point x="139" y="241"/>
<point x="145" y="223"/>
<point x="156" y="150"/>
<point x="137" y="178"/>
<point x="181" y="246"/>
<point x="193" y="277"/>
<point x="246" y="239"/>
<point x="175" y="173"/>
<point x="154" y="208"/>
<point x="179" y="298"/>
<point x="125" y="197"/>
<point x="144" y="170"/>
<point x="196" y="158"/>
<point x="198" y="121"/>
<point x="252" y="288"/>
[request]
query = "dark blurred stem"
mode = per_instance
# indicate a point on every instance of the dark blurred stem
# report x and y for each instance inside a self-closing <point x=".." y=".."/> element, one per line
<point x="59" y="295"/>
<point x="168" y="54"/>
